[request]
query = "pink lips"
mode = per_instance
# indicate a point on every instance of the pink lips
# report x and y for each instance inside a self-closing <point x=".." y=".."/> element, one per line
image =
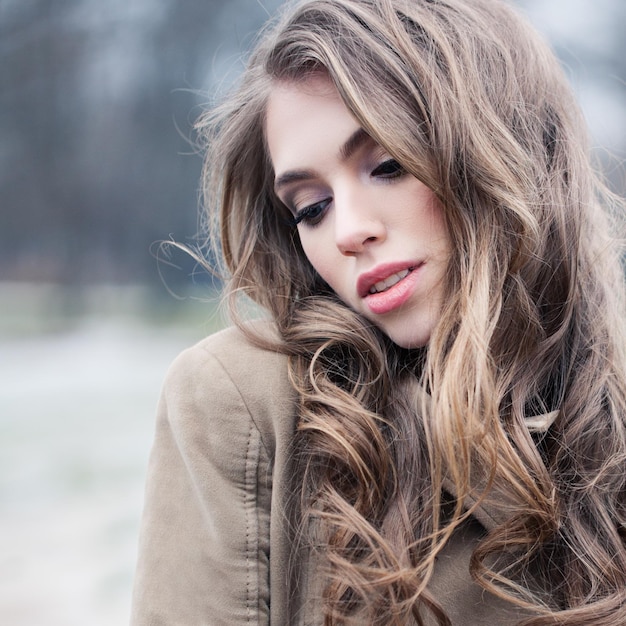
<point x="396" y="295"/>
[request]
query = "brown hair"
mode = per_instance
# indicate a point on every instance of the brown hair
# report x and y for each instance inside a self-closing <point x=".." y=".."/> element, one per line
<point x="468" y="99"/>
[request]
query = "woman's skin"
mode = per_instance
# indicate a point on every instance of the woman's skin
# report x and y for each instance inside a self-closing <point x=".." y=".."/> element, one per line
<point x="372" y="231"/>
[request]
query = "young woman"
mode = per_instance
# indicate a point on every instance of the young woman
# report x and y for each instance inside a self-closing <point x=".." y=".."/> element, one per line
<point x="431" y="427"/>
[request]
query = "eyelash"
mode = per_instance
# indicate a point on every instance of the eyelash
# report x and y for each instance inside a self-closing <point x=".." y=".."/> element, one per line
<point x="312" y="215"/>
<point x="388" y="169"/>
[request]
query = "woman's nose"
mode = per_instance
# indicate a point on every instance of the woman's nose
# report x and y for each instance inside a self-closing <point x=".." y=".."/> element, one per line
<point x="356" y="226"/>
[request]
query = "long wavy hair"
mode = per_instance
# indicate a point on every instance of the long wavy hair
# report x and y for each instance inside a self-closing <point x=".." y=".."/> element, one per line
<point x="471" y="101"/>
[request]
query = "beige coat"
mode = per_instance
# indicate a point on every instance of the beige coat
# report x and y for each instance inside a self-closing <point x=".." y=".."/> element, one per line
<point x="214" y="544"/>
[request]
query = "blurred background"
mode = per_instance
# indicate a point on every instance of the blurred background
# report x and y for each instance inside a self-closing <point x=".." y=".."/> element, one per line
<point x="97" y="165"/>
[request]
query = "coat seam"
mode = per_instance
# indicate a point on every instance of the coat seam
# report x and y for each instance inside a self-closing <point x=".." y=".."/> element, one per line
<point x="250" y="501"/>
<point x="252" y="547"/>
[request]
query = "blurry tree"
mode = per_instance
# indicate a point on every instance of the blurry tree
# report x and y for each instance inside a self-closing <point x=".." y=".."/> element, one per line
<point x="97" y="100"/>
<point x="96" y="105"/>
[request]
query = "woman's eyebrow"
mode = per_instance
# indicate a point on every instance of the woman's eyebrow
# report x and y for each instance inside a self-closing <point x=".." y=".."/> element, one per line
<point x="354" y="142"/>
<point x="292" y="176"/>
<point x="349" y="147"/>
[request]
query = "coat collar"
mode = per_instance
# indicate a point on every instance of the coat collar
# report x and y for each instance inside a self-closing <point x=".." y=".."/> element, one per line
<point x="499" y="505"/>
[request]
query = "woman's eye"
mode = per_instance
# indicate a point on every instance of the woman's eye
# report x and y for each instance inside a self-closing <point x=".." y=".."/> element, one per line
<point x="388" y="169"/>
<point x="312" y="214"/>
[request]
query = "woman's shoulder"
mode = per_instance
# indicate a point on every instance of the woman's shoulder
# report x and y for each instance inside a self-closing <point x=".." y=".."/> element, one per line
<point x="226" y="376"/>
<point x="233" y="351"/>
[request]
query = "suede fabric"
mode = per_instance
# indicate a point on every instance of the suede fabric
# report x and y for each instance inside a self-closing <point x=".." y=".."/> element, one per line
<point x="215" y="541"/>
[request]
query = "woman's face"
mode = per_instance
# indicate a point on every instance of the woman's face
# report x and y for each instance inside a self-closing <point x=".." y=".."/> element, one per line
<point x="373" y="232"/>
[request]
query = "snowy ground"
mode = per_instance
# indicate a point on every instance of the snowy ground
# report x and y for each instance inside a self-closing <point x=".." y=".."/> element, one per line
<point x="76" y="419"/>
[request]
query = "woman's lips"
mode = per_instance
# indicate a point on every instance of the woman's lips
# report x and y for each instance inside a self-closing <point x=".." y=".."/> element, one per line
<point x="388" y="287"/>
<point x="383" y="285"/>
